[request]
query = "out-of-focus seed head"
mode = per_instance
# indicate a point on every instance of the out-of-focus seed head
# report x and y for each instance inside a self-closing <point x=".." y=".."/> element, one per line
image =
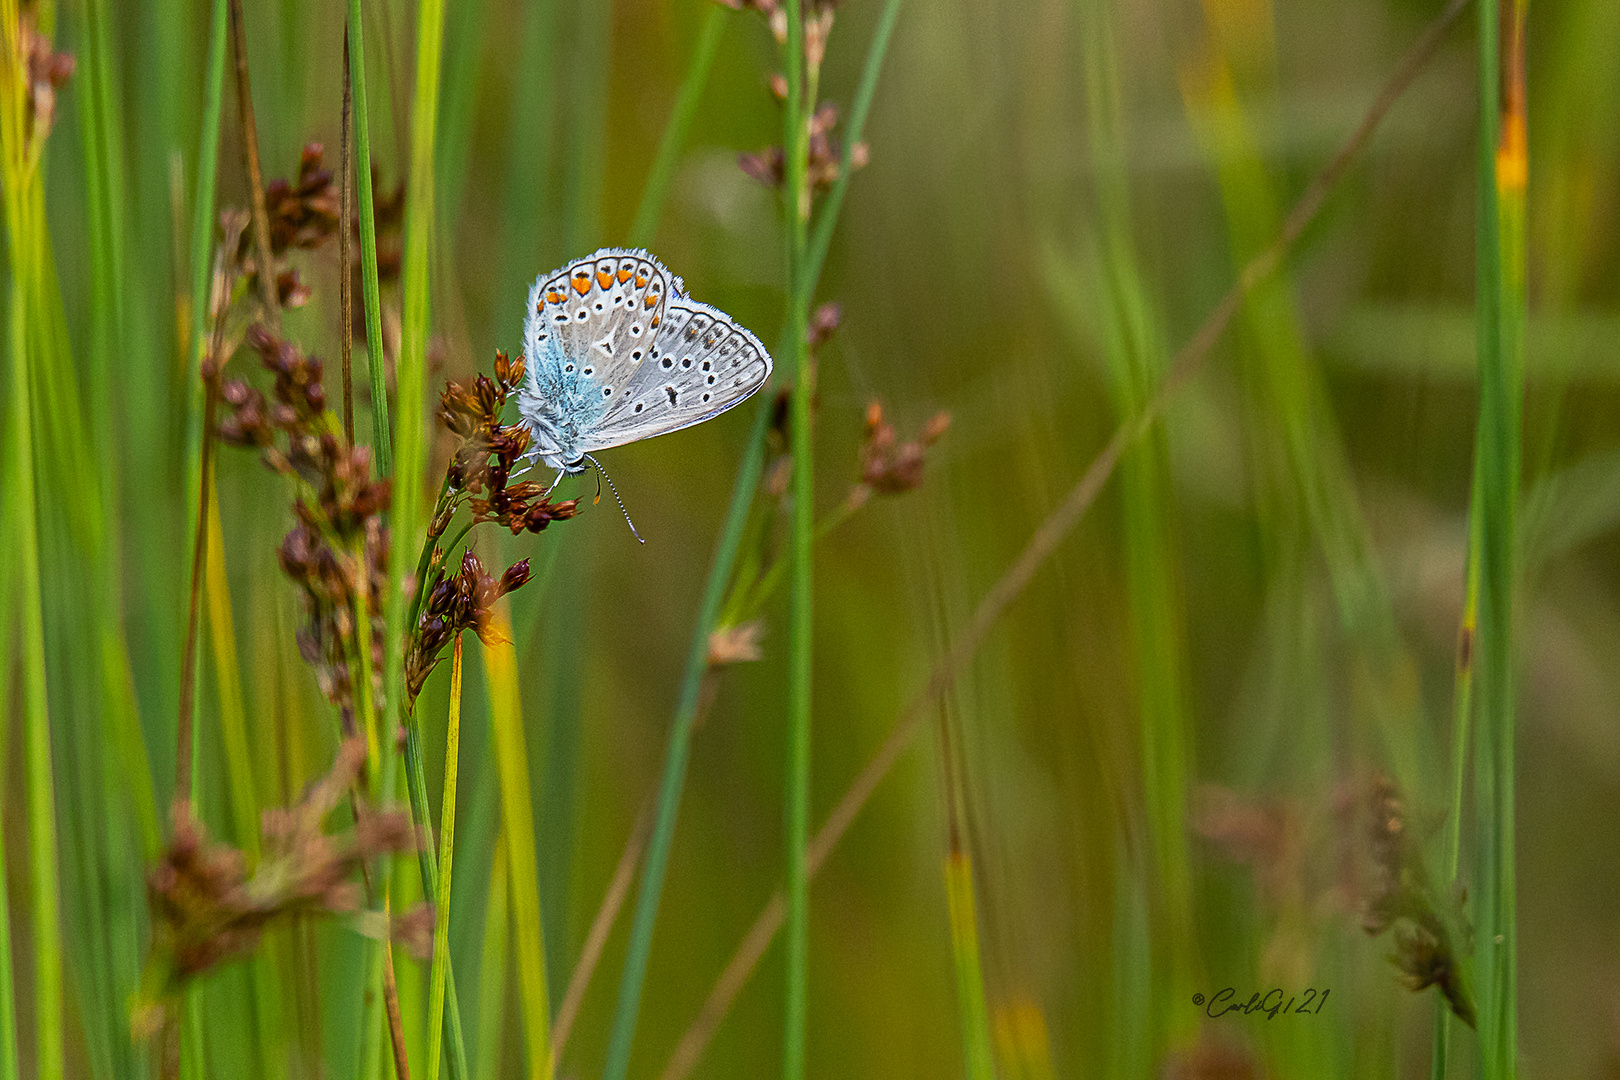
<point x="889" y="466"/>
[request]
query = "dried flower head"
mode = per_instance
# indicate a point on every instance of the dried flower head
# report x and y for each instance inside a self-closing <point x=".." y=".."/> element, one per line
<point x="889" y="466"/>
<point x="826" y="156"/>
<point x="338" y="551"/>
<point x="488" y="452"/>
<point x="736" y="644"/>
<point x="207" y="906"/>
<point x="303" y="212"/>
<point x="1396" y="893"/>
<point x="47" y="72"/>
<point x="462" y="601"/>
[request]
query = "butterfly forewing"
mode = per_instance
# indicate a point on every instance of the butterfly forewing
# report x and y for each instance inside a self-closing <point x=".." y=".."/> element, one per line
<point x="600" y="313"/>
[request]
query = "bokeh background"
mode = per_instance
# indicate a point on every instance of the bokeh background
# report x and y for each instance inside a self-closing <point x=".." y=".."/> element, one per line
<point x="1152" y="756"/>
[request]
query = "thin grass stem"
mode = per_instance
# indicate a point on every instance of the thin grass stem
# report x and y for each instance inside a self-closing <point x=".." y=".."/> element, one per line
<point x="370" y="291"/>
<point x="801" y="102"/>
<point x="492" y="969"/>
<point x="255" y="176"/>
<point x="1500" y="307"/>
<point x="447" y="847"/>
<point x="523" y="856"/>
<point x="346" y="241"/>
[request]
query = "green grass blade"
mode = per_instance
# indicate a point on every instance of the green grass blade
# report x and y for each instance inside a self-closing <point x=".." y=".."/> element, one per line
<point x="492" y="972"/>
<point x="969" y="974"/>
<point x="801" y="102"/>
<point x="447" y="847"/>
<point x="645" y="227"/>
<point x="1500" y="306"/>
<point x="523" y="855"/>
<point x="41" y="798"/>
<point x="202" y="263"/>
<point x="366" y="209"/>
<point x="410" y="437"/>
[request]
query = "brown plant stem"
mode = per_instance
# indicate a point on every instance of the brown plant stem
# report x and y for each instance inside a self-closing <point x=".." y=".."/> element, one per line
<point x="345" y="256"/>
<point x="250" y="154"/>
<point x="396" y="1022"/>
<point x="1187" y="362"/>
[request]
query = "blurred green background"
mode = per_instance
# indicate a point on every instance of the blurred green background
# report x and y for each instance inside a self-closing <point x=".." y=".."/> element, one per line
<point x="1259" y="612"/>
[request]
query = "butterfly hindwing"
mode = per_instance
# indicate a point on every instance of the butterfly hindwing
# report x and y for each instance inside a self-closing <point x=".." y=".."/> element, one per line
<point x="701" y="364"/>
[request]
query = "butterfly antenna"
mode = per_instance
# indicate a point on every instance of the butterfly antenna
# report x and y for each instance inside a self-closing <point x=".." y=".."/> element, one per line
<point x="611" y="487"/>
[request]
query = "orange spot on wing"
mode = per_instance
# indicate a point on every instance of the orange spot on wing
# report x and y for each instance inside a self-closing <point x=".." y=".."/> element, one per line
<point x="624" y="276"/>
<point x="655" y="320"/>
<point x="582" y="284"/>
<point x="604" y="278"/>
<point x="641" y="281"/>
<point x="554" y="297"/>
<point x="652" y="298"/>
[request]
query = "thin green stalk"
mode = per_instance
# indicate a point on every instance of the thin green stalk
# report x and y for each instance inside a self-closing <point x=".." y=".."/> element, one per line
<point x="11" y="521"/>
<point x="202" y="265"/>
<point x="963" y="908"/>
<point x="409" y="445"/>
<point x="239" y="768"/>
<point x="969" y="975"/>
<point x="447" y="846"/>
<point x="29" y="259"/>
<point x="427" y="861"/>
<point x="523" y="855"/>
<point x="1461" y="719"/>
<point x="47" y="988"/>
<point x="680" y="121"/>
<point x="1500" y="310"/>
<point x="801" y="98"/>
<point x="492" y="972"/>
<point x="192" y="1058"/>
<point x="827" y="219"/>
<point x="675" y="756"/>
<point x="370" y="294"/>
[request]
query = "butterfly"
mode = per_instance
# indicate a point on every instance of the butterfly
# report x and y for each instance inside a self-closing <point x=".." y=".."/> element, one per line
<point x="618" y="352"/>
